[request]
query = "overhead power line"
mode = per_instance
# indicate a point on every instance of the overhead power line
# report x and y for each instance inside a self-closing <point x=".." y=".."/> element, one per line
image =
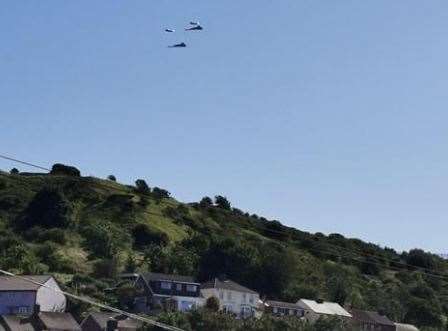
<point x="93" y="303"/>
<point x="23" y="162"/>
<point x="360" y="256"/>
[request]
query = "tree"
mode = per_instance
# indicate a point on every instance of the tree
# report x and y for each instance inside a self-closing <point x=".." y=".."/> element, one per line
<point x="142" y="187"/>
<point x="14" y="171"/>
<point x="206" y="202"/>
<point x="212" y="304"/>
<point x="160" y="193"/>
<point x="48" y="209"/>
<point x="144" y="236"/>
<point x="112" y="178"/>
<point x="64" y="170"/>
<point x="420" y="259"/>
<point x="222" y="202"/>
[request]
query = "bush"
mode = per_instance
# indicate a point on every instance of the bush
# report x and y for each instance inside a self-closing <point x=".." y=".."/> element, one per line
<point x="144" y="235"/>
<point x="212" y="304"/>
<point x="222" y="202"/>
<point x="64" y="170"/>
<point x="142" y="187"/>
<point x="48" y="209"/>
<point x="206" y="202"/>
<point x="112" y="178"/>
<point x="160" y="193"/>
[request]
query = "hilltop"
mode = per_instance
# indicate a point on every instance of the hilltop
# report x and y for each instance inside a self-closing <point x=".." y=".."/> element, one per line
<point x="86" y="230"/>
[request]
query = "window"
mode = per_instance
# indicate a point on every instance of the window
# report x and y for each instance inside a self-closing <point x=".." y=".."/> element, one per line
<point x="251" y="299"/>
<point x="22" y="310"/>
<point x="165" y="285"/>
<point x="229" y="295"/>
<point x="192" y="288"/>
<point x="221" y="295"/>
<point x="179" y="287"/>
<point x="244" y="297"/>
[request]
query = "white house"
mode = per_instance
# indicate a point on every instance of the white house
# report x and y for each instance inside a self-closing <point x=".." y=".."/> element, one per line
<point x="19" y="296"/>
<point x="233" y="298"/>
<point x="313" y="310"/>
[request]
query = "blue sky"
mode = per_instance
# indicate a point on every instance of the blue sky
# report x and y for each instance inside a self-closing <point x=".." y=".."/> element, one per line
<point x="327" y="115"/>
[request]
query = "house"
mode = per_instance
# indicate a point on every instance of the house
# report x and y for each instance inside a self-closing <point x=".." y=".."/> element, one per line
<point x="233" y="298"/>
<point x="314" y="310"/>
<point x="39" y="321"/>
<point x="279" y="308"/>
<point x="405" y="327"/>
<point x="156" y="291"/>
<point x="97" y="321"/>
<point x="370" y="320"/>
<point x="19" y="296"/>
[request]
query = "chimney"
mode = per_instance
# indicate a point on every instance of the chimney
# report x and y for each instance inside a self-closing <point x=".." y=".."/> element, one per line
<point x="112" y="325"/>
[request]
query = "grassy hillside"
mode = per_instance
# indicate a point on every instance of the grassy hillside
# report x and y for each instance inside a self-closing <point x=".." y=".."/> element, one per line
<point x="86" y="230"/>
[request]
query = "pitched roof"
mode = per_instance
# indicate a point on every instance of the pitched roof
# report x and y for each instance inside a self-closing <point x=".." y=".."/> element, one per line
<point x="58" y="321"/>
<point x="152" y="276"/>
<point x="281" y="304"/>
<point x="101" y="319"/>
<point x="370" y="317"/>
<point x="324" y="308"/>
<point x="16" y="323"/>
<point x="8" y="283"/>
<point x="226" y="285"/>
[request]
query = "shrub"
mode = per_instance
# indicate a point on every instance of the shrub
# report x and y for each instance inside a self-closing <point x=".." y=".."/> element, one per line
<point x="222" y="202"/>
<point x="48" y="209"/>
<point x="206" y="202"/>
<point x="112" y="178"/>
<point x="142" y="187"/>
<point x="64" y="170"/>
<point x="144" y="235"/>
<point x="212" y="304"/>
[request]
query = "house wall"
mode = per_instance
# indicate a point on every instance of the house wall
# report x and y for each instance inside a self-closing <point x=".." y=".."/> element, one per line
<point x="14" y="302"/>
<point x="90" y="325"/>
<point x="233" y="301"/>
<point x="50" y="300"/>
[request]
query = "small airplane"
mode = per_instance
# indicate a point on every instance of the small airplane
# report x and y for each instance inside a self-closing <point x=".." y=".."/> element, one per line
<point x="170" y="30"/>
<point x="195" y="28"/>
<point x="194" y="23"/>
<point x="181" y="45"/>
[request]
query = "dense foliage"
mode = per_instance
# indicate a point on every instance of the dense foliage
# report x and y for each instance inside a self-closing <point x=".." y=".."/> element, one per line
<point x="86" y="231"/>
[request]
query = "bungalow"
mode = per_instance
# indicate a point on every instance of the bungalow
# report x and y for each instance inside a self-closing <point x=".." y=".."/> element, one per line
<point x="98" y="321"/>
<point x="18" y="296"/>
<point x="233" y="298"/>
<point x="370" y="320"/>
<point x="314" y="310"/>
<point x="157" y="290"/>
<point x="279" y="308"/>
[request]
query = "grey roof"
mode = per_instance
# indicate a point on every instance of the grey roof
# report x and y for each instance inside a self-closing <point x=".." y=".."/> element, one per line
<point x="152" y="276"/>
<point x="101" y="319"/>
<point x="58" y="321"/>
<point x="226" y="285"/>
<point x="280" y="304"/>
<point x="370" y="317"/>
<point x="8" y="283"/>
<point x="16" y="323"/>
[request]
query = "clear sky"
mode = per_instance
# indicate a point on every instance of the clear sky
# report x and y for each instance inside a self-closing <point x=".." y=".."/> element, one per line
<point x="330" y="116"/>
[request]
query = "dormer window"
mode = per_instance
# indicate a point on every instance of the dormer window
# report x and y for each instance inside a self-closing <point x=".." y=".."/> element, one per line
<point x="165" y="285"/>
